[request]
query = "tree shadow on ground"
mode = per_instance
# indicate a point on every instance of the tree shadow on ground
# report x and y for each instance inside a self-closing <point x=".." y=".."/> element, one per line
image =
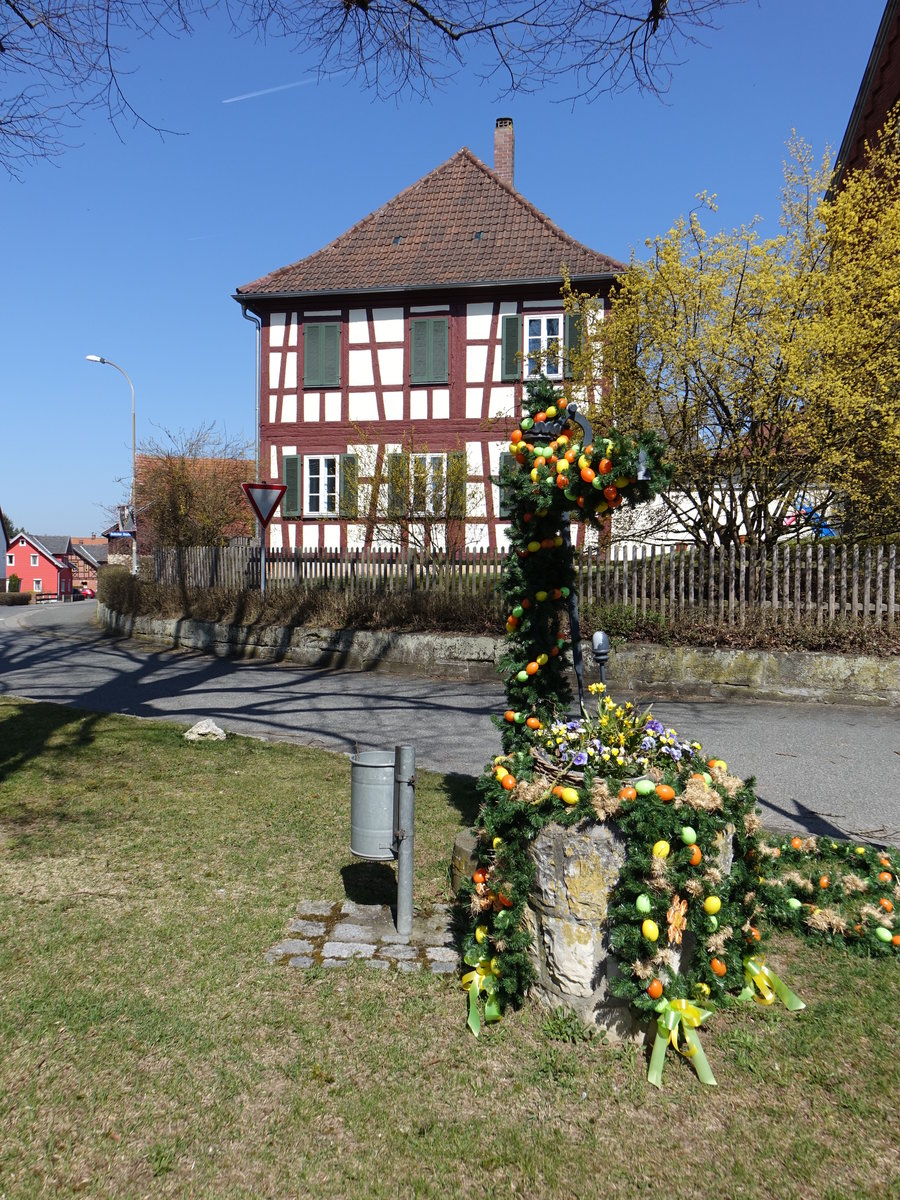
<point x="462" y="793"/>
<point x="28" y="730"/>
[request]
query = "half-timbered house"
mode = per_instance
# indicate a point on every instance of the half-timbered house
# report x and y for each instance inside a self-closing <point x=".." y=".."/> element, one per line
<point x="392" y="361"/>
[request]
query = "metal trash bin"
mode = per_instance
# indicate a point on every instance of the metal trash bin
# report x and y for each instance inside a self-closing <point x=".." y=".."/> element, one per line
<point x="372" y="805"/>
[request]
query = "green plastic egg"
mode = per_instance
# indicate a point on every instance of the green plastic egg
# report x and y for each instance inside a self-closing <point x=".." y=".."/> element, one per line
<point x="883" y="935"/>
<point x="522" y="677"/>
<point x="526" y="423"/>
<point x="688" y="835"/>
<point x="794" y="903"/>
<point x="644" y="787"/>
<point x="642" y="904"/>
<point x="712" y="923"/>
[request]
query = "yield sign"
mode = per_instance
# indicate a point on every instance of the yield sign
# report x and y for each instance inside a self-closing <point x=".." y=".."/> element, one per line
<point x="265" y="498"/>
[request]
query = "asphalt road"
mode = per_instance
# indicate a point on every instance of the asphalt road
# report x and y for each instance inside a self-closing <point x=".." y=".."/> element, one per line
<point x="825" y="769"/>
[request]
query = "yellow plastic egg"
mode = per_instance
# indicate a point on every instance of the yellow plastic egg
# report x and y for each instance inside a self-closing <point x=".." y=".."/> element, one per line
<point x="569" y="795"/>
<point x="661" y="849"/>
<point x="650" y="930"/>
<point x="711" y="905"/>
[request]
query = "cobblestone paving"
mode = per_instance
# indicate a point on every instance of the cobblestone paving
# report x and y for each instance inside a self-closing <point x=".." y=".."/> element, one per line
<point x="331" y="935"/>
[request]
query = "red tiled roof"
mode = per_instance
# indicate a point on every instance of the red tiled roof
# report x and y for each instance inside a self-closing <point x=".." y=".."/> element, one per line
<point x="426" y="237"/>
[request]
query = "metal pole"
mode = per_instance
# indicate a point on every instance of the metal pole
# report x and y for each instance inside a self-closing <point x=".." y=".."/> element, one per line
<point x="405" y="808"/>
<point x="107" y="362"/>
<point x="262" y="560"/>
<point x="134" y="545"/>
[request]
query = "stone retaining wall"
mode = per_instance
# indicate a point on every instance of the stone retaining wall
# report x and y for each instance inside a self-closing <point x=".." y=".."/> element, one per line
<point x="679" y="672"/>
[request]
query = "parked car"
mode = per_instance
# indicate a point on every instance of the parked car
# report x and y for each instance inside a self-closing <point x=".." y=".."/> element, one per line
<point x="87" y="593"/>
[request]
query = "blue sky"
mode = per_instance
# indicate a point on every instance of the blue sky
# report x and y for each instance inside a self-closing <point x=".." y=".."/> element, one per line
<point x="132" y="249"/>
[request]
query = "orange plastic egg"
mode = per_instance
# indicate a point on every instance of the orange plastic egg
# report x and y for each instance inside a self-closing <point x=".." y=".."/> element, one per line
<point x="718" y="967"/>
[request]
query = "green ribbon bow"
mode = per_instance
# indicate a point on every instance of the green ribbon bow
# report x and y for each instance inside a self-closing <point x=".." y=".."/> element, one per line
<point x="675" y="1016"/>
<point x="482" y="979"/>
<point x="763" y="978"/>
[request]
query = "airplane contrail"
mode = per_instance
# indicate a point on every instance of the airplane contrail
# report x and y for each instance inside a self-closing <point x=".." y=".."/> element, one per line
<point x="283" y="87"/>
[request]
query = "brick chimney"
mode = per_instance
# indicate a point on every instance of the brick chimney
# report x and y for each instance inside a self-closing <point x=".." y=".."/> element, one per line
<point x="505" y="150"/>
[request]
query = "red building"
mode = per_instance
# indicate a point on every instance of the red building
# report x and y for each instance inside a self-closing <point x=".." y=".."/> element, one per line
<point x="879" y="91"/>
<point x="392" y="361"/>
<point x="40" y="564"/>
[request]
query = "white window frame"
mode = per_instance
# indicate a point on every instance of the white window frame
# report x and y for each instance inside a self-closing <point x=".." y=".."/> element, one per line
<point x="10" y="560"/>
<point x="319" y="502"/>
<point x="34" y="560"/>
<point x="538" y="340"/>
<point x="428" y="485"/>
<point x="37" y="585"/>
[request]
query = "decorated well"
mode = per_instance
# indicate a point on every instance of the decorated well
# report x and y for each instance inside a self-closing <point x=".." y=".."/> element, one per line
<point x="620" y="871"/>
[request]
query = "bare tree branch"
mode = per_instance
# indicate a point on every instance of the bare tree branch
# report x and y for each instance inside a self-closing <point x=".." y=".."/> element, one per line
<point x="60" y="58"/>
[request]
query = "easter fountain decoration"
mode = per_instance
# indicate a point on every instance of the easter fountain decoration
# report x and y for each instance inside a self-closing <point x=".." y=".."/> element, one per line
<point x="619" y="871"/>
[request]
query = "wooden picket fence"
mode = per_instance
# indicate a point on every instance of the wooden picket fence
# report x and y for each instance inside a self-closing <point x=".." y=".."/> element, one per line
<point x="470" y="573"/>
<point x="787" y="582"/>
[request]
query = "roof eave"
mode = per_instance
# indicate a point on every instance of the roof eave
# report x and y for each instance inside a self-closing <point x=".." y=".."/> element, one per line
<point x="599" y="277"/>
<point x="862" y="96"/>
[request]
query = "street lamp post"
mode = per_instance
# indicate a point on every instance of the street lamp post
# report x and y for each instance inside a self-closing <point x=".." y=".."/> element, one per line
<point x="134" y="546"/>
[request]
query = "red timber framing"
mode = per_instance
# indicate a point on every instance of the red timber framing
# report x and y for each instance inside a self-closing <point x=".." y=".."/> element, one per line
<point x="392" y="361"/>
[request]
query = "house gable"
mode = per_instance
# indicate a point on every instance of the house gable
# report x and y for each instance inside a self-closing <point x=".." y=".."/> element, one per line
<point x="433" y="310"/>
<point x="461" y="226"/>
<point x="54" y="574"/>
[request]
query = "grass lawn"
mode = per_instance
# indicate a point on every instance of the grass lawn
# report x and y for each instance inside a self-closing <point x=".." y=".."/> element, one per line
<point x="148" y="1050"/>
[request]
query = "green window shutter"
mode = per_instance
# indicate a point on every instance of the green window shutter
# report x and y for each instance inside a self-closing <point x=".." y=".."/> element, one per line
<point x="397" y="484"/>
<point x="507" y="466"/>
<point x="349" y="482"/>
<point x="429" y="358"/>
<point x="312" y="335"/>
<point x="290" y="501"/>
<point x="573" y="339"/>
<point x="418" y="337"/>
<point x="440" y="329"/>
<point x="331" y="355"/>
<point x="321" y="355"/>
<point x="511" y="347"/>
<point x="457" y="478"/>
